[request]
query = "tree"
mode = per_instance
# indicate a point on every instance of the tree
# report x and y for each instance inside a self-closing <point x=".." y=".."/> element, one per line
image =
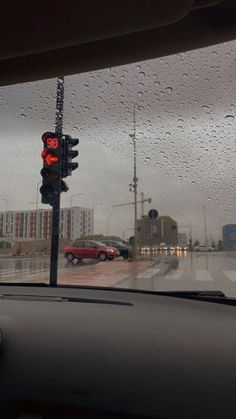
<point x="196" y="243"/>
<point x="213" y="244"/>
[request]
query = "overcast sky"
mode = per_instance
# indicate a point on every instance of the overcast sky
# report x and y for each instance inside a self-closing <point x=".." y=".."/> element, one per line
<point x="186" y="138"/>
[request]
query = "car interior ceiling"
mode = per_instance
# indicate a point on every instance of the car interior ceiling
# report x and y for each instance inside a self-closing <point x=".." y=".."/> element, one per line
<point x="43" y="39"/>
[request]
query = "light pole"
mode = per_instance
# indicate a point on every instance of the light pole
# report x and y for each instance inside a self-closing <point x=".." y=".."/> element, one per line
<point x="205" y="224"/>
<point x="95" y="205"/>
<point x="6" y="202"/>
<point x="37" y="206"/>
<point x="135" y="185"/>
<point x="71" y="200"/>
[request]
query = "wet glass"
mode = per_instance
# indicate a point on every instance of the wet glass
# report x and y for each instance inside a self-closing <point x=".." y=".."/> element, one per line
<point x="185" y="148"/>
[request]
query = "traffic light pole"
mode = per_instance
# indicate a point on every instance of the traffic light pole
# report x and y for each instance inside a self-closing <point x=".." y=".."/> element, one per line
<point x="56" y="205"/>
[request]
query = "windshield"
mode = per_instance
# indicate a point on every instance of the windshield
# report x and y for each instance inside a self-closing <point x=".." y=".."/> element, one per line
<point x="157" y="155"/>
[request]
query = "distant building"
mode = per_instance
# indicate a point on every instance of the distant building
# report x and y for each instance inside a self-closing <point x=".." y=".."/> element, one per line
<point x="182" y="238"/>
<point x="75" y="222"/>
<point x="229" y="236"/>
<point x="153" y="232"/>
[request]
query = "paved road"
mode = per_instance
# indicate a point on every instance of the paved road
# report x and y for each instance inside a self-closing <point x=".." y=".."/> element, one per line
<point x="36" y="269"/>
<point x="192" y="271"/>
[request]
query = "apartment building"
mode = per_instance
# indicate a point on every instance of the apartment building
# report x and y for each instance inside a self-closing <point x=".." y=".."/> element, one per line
<point x="75" y="222"/>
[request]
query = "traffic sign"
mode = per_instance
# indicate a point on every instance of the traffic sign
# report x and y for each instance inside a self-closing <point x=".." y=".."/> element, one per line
<point x="153" y="214"/>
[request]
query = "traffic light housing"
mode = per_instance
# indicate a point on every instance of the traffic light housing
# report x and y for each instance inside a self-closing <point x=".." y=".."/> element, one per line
<point x="68" y="154"/>
<point x="51" y="171"/>
<point x="57" y="158"/>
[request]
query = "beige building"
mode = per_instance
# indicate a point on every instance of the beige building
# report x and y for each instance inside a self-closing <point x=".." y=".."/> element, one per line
<point x="161" y="230"/>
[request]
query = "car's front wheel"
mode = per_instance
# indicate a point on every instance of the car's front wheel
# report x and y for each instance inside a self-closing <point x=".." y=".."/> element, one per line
<point x="70" y="257"/>
<point x="102" y="256"/>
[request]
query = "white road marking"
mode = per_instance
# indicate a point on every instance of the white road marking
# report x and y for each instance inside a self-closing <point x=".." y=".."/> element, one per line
<point x="203" y="276"/>
<point x="231" y="275"/>
<point x="149" y="273"/>
<point x="174" y="274"/>
<point x="18" y="271"/>
<point x="21" y="274"/>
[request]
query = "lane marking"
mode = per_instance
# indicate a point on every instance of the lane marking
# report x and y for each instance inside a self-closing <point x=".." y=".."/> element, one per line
<point x="148" y="273"/>
<point x="18" y="271"/>
<point x="203" y="276"/>
<point x="174" y="274"/>
<point x="23" y="274"/>
<point x="231" y="275"/>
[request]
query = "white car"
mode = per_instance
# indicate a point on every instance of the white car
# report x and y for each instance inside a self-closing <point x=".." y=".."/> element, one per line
<point x="203" y="248"/>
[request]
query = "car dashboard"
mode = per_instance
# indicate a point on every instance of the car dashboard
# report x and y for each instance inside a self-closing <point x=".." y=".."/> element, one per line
<point x="116" y="352"/>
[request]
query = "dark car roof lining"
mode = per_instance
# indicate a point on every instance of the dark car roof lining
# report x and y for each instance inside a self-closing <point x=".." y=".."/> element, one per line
<point x="45" y="39"/>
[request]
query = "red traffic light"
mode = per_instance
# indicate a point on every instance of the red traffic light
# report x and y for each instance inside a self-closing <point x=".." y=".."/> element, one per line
<point x="49" y="158"/>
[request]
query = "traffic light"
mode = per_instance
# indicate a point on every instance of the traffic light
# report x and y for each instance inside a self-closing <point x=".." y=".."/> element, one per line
<point x="51" y="171"/>
<point x="68" y="154"/>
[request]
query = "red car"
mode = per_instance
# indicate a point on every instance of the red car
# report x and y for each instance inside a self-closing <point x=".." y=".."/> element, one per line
<point x="89" y="249"/>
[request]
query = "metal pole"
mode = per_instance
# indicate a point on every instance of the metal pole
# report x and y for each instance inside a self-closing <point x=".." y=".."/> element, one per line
<point x="37" y="206"/>
<point x="190" y="237"/>
<point x="135" y="188"/>
<point x="71" y="217"/>
<point x="56" y="206"/>
<point x="205" y="227"/>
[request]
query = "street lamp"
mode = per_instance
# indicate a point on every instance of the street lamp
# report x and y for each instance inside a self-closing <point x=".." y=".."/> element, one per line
<point x="95" y="205"/>
<point x="71" y="201"/>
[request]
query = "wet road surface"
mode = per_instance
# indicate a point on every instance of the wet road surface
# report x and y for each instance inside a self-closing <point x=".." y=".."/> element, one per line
<point x="188" y="271"/>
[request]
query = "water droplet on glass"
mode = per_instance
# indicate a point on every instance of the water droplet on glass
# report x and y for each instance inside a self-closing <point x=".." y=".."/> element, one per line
<point x="229" y="117"/>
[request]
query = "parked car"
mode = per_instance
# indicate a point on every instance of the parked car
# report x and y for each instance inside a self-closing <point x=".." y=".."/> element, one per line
<point x="123" y="250"/>
<point x="203" y="248"/>
<point x="89" y="249"/>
